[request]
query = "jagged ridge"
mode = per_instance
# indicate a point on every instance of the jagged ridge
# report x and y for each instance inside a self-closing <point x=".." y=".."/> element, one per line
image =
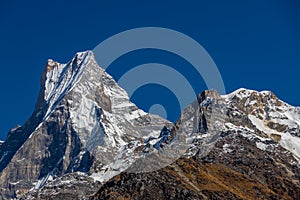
<point x="85" y="126"/>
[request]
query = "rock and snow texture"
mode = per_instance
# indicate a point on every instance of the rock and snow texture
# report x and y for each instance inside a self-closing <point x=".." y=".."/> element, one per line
<point x="85" y="128"/>
<point x="270" y="116"/>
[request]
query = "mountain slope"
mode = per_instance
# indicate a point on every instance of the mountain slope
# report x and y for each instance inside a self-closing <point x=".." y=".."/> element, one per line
<point x="189" y="179"/>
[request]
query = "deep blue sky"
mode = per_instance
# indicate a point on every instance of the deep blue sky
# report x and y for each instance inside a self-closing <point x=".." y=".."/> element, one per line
<point x="255" y="44"/>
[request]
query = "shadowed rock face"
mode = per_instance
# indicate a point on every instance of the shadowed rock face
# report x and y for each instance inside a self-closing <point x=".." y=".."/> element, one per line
<point x="85" y="139"/>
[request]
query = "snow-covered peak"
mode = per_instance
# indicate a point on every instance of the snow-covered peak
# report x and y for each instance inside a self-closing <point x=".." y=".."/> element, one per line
<point x="81" y="56"/>
<point x="245" y="93"/>
<point x="88" y="89"/>
<point x="249" y="100"/>
<point x="58" y="79"/>
<point x="264" y="114"/>
<point x="99" y="110"/>
<point x="55" y="72"/>
<point x="83" y="121"/>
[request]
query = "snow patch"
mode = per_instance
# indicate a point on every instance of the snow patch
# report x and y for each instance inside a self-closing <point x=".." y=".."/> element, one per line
<point x="226" y="148"/>
<point x="261" y="146"/>
<point x="260" y="125"/>
<point x="287" y="141"/>
<point x="291" y="143"/>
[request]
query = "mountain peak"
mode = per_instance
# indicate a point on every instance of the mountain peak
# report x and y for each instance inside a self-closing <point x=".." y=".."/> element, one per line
<point x="83" y="121"/>
<point x="58" y="79"/>
<point x="51" y="64"/>
<point x="245" y="93"/>
<point x="82" y="57"/>
<point x="208" y="94"/>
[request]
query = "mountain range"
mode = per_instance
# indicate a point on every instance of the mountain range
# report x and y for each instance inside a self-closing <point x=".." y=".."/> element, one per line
<point x="87" y="140"/>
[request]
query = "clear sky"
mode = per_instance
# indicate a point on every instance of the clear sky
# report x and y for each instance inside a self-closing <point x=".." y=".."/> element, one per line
<point x="255" y="44"/>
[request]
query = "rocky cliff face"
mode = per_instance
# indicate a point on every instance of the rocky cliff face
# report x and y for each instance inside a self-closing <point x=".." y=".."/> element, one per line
<point x="85" y="140"/>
